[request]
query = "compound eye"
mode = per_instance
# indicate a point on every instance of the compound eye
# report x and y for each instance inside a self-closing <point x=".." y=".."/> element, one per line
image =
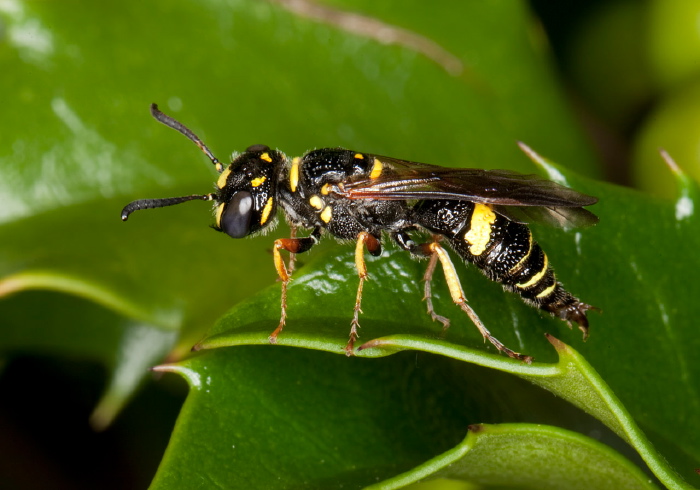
<point x="235" y="220"/>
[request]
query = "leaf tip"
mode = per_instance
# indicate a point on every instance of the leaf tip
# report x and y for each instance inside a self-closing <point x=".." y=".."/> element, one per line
<point x="671" y="163"/>
<point x="372" y="344"/>
<point x="560" y="346"/>
<point x="10" y="285"/>
<point x="526" y="149"/>
<point x="552" y="172"/>
<point x="103" y="415"/>
<point x="163" y="368"/>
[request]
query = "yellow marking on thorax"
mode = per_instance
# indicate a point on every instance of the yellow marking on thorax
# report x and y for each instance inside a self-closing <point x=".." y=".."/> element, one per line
<point x="547" y="291"/>
<point x="479" y="232"/>
<point x="257" y="182"/>
<point x="219" y="211"/>
<point x="221" y="183"/>
<point x="326" y="214"/>
<point x="266" y="211"/>
<point x="266" y="156"/>
<point x="537" y="277"/>
<point x="377" y="168"/>
<point x="359" y="156"/>
<point x="316" y="202"/>
<point x="326" y="189"/>
<point x="294" y="174"/>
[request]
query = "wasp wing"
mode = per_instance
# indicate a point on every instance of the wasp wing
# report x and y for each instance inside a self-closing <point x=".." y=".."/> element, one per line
<point x="518" y="197"/>
<point x="558" y="216"/>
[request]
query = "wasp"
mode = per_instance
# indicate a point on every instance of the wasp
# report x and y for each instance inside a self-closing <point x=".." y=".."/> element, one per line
<point x="481" y="214"/>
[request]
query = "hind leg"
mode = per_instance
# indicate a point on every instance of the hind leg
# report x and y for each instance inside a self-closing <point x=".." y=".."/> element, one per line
<point x="435" y="252"/>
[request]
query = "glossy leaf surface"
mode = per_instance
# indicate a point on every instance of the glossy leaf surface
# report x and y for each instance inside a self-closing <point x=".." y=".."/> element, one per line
<point x="78" y="144"/>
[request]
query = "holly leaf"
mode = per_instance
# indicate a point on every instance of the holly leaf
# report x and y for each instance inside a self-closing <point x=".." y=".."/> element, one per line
<point x="441" y="88"/>
<point x="620" y="377"/>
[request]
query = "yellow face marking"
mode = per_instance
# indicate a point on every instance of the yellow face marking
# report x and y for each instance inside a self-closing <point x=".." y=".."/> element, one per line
<point x="537" y="277"/>
<point x="257" y="182"/>
<point x="266" y="156"/>
<point x="266" y="211"/>
<point x="479" y="232"/>
<point x="316" y="202"/>
<point x="219" y="211"/>
<point x="326" y="189"/>
<point x="377" y="168"/>
<point x="359" y="156"/>
<point x="326" y="214"/>
<point x="547" y="291"/>
<point x="294" y="174"/>
<point x="221" y="183"/>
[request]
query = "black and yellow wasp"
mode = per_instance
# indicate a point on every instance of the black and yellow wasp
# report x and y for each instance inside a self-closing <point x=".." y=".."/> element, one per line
<point x="482" y="214"/>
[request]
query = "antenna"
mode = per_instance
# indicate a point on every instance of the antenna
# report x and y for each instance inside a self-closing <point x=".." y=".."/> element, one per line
<point x="171" y="201"/>
<point x="161" y="203"/>
<point x="181" y="128"/>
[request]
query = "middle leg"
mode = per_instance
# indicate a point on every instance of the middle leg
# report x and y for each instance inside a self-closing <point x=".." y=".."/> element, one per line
<point x="364" y="239"/>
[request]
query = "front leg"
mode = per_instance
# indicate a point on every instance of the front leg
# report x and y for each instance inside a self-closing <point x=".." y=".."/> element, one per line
<point x="293" y="246"/>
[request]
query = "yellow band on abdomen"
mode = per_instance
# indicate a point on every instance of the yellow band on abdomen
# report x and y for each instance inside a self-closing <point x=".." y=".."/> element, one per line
<point x="479" y="232"/>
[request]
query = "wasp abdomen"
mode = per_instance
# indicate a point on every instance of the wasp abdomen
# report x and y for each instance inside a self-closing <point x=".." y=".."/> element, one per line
<point x="505" y="251"/>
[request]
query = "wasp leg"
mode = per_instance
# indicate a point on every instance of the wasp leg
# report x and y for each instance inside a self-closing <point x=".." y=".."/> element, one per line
<point x="293" y="246"/>
<point x="434" y="249"/>
<point x="428" y="293"/>
<point x="405" y="242"/>
<point x="364" y="239"/>
<point x="291" y="263"/>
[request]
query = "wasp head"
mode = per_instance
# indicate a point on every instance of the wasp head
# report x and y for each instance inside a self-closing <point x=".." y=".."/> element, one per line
<point x="246" y="194"/>
<point x="245" y="198"/>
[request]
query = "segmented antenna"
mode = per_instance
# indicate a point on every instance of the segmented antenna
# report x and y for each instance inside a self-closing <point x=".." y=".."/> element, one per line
<point x="171" y="201"/>
<point x="161" y="203"/>
<point x="181" y="128"/>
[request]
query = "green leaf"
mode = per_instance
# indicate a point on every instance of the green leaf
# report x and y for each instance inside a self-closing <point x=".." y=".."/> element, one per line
<point x="631" y="404"/>
<point x="77" y="281"/>
<point x="275" y="417"/>
<point x="501" y="455"/>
